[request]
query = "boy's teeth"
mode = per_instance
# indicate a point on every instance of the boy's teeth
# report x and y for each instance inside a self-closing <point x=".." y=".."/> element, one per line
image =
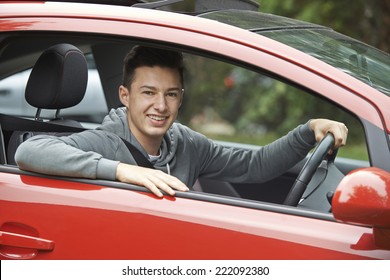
<point x="157" y="118"/>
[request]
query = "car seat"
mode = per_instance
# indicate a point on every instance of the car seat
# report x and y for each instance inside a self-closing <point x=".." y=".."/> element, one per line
<point x="58" y="80"/>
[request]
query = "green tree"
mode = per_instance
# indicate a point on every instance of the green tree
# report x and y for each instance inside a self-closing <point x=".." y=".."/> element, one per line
<point x="367" y="21"/>
<point x="364" y="20"/>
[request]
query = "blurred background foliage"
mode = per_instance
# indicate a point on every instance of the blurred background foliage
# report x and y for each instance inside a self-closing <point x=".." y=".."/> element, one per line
<point x="367" y="21"/>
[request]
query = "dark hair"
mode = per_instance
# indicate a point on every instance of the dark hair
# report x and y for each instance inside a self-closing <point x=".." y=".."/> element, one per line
<point x="148" y="56"/>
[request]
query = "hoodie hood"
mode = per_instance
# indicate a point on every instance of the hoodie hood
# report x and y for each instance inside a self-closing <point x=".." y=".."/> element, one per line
<point x="116" y="122"/>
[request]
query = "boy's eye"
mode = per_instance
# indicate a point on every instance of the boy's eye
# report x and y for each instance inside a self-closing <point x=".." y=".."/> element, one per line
<point x="172" y="94"/>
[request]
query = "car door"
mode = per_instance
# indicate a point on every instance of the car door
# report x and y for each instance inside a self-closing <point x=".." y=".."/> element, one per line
<point x="49" y="218"/>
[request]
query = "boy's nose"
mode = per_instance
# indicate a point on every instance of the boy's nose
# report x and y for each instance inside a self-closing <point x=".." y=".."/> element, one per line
<point x="160" y="103"/>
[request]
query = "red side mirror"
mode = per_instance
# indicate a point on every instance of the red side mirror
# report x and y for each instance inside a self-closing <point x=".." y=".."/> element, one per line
<point x="363" y="197"/>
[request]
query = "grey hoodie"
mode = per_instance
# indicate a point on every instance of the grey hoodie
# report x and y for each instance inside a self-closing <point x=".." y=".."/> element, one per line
<point x="185" y="153"/>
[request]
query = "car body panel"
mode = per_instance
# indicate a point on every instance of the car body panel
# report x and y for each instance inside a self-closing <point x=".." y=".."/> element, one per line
<point x="172" y="227"/>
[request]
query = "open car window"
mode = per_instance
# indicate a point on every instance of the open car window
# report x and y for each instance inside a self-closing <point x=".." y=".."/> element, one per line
<point x="244" y="108"/>
<point x="229" y="103"/>
<point x="234" y="104"/>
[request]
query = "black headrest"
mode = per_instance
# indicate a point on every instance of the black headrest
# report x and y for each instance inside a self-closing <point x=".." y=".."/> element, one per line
<point x="58" y="79"/>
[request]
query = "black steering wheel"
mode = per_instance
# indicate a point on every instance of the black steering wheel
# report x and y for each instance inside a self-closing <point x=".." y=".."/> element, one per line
<point x="308" y="170"/>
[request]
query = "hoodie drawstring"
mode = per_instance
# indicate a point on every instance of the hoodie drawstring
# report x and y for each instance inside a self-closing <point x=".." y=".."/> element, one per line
<point x="168" y="169"/>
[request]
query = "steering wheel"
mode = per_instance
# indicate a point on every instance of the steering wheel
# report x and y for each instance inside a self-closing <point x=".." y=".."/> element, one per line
<point x="308" y="170"/>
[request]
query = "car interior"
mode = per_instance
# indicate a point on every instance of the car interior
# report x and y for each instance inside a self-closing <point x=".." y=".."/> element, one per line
<point x="201" y="110"/>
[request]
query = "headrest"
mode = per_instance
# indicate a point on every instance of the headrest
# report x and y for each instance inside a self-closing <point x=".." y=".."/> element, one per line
<point x="58" y="79"/>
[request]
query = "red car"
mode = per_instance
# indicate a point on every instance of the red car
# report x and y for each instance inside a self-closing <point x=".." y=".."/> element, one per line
<point x="250" y="76"/>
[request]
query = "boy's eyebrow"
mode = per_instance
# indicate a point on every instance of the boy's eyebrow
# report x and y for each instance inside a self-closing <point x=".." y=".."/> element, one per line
<point x="154" y="88"/>
<point x="148" y="87"/>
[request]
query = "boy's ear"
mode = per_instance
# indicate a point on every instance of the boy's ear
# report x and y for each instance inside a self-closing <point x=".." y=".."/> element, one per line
<point x="124" y="95"/>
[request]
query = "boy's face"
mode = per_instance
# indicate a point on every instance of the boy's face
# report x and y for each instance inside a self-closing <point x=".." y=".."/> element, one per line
<point x="153" y="101"/>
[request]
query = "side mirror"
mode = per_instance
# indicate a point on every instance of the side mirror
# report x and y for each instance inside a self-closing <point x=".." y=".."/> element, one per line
<point x="363" y="197"/>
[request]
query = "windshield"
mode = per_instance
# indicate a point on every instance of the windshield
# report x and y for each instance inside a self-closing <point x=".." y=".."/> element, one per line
<point x="355" y="58"/>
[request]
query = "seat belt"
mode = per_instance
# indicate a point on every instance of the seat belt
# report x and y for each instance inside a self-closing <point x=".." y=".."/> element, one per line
<point x="139" y="157"/>
<point x="10" y="122"/>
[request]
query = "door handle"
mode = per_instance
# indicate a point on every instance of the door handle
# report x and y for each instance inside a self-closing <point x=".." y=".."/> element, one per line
<point x="25" y="241"/>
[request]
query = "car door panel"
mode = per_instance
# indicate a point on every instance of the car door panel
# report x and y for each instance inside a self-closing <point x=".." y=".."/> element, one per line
<point x="95" y="222"/>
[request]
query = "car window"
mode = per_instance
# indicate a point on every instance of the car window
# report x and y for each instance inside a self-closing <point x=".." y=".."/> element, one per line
<point x="357" y="59"/>
<point x="92" y="108"/>
<point x="350" y="56"/>
<point x="231" y="103"/>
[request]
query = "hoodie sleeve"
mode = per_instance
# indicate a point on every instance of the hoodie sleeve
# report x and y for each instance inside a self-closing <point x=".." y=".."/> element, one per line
<point x="89" y="154"/>
<point x="257" y="165"/>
